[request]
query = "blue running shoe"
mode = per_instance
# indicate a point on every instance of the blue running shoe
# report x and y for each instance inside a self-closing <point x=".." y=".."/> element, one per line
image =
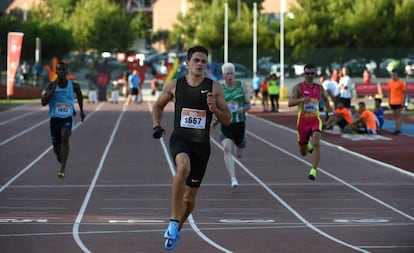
<point x="172" y="235"/>
<point x="171" y="244"/>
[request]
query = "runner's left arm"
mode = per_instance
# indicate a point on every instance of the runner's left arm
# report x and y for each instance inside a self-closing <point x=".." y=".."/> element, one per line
<point x="79" y="96"/>
<point x="246" y="91"/>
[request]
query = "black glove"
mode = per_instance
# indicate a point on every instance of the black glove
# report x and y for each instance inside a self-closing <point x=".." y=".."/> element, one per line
<point x="157" y="132"/>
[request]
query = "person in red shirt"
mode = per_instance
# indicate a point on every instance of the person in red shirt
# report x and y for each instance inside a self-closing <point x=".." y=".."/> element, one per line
<point x="397" y="96"/>
<point x="366" y="123"/>
<point x="366" y="77"/>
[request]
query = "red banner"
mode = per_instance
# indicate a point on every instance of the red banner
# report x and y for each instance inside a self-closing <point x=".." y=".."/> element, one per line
<point x="14" y="48"/>
<point x="363" y="89"/>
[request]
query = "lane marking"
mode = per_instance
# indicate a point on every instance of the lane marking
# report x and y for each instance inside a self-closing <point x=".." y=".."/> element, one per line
<point x="285" y="204"/>
<point x="372" y="220"/>
<point x="8" y="183"/>
<point x="75" y="229"/>
<point x="365" y="137"/>
<point x="239" y="221"/>
<point x="23" y="132"/>
<point x="348" y="151"/>
<point x="21" y="116"/>
<point x="136" y="221"/>
<point x="333" y="177"/>
<point x="24" y="220"/>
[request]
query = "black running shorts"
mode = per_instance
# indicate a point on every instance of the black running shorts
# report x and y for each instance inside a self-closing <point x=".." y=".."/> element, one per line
<point x="235" y="132"/>
<point x="199" y="153"/>
<point x="56" y="127"/>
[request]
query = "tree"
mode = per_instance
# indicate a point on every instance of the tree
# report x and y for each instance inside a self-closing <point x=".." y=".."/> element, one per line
<point x="111" y="30"/>
<point x="350" y="26"/>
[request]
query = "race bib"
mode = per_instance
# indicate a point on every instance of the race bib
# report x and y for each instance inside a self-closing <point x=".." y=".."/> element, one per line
<point x="193" y="118"/>
<point x="310" y="107"/>
<point x="233" y="106"/>
<point x="63" y="110"/>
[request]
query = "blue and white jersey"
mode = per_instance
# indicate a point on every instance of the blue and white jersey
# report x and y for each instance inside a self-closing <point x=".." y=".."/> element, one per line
<point x="62" y="102"/>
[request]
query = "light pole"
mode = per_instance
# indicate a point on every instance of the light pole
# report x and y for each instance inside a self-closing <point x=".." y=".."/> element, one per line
<point x="226" y="27"/>
<point x="25" y="12"/>
<point x="254" y="37"/>
<point x="282" y="44"/>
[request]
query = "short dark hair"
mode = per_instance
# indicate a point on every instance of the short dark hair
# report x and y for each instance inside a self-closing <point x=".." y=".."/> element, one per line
<point x="62" y="63"/>
<point x="394" y="71"/>
<point x="361" y="103"/>
<point x="196" y="49"/>
<point x="308" y="66"/>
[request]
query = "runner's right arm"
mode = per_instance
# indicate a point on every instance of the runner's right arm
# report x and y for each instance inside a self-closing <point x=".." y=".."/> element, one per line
<point x="48" y="92"/>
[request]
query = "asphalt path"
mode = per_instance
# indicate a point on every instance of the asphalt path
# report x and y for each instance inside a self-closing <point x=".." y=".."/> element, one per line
<point x="116" y="193"/>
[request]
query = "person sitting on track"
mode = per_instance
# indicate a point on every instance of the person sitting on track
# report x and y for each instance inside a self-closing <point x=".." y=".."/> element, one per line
<point x="365" y="123"/>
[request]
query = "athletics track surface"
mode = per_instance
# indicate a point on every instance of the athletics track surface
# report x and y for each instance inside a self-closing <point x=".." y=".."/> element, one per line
<point x="115" y="197"/>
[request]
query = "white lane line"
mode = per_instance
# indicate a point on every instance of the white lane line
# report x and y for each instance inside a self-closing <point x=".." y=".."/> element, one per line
<point x="190" y="218"/>
<point x="287" y="206"/>
<point x="383" y="164"/>
<point x="23" y="132"/>
<point x="8" y="183"/>
<point x="20" y="116"/>
<point x="333" y="177"/>
<point x="75" y="229"/>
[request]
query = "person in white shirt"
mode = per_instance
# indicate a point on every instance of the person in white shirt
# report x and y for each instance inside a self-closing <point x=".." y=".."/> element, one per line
<point x="345" y="87"/>
<point x="331" y="88"/>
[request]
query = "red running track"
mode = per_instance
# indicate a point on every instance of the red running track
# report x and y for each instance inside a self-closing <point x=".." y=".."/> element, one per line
<point x="116" y="194"/>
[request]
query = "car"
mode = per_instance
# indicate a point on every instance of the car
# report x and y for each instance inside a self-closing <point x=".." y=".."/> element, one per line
<point x="356" y="67"/>
<point x="388" y="64"/>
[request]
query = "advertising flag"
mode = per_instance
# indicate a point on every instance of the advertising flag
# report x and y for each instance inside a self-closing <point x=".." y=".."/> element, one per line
<point x="14" y="48"/>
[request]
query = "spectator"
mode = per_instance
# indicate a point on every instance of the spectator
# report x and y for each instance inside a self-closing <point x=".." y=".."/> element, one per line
<point x="366" y="77"/>
<point x="345" y="87"/>
<point x="379" y="112"/>
<point x="409" y="69"/>
<point x="265" y="94"/>
<point x="341" y="117"/>
<point x="24" y="70"/>
<point x="273" y="90"/>
<point x="256" y="87"/>
<point x="331" y="88"/>
<point x="397" y="96"/>
<point x="133" y="81"/>
<point x="366" y="122"/>
<point x="37" y="69"/>
<point x="335" y="76"/>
